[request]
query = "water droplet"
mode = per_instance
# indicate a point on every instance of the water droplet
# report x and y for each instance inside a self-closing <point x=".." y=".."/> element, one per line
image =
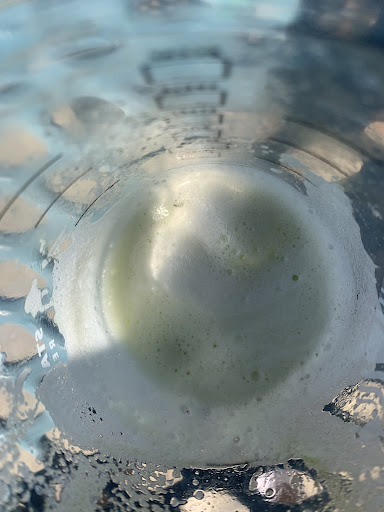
<point x="199" y="495"/>
<point x="174" y="502"/>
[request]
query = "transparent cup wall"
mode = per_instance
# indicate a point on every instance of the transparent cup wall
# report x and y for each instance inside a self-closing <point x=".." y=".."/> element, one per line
<point x="105" y="106"/>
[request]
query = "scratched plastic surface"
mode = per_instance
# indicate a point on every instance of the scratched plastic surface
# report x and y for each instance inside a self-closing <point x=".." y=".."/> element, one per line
<point x="93" y="92"/>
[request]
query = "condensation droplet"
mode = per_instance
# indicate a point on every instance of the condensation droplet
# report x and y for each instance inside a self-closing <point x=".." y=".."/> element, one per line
<point x="199" y="495"/>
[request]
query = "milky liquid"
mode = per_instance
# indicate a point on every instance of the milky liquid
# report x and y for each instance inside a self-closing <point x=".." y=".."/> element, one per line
<point x="219" y="286"/>
<point x="220" y="310"/>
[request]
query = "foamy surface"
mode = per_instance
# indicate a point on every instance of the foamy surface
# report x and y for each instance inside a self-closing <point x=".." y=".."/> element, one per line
<point x="220" y="310"/>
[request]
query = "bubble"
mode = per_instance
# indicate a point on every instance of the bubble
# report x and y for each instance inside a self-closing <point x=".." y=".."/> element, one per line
<point x="199" y="495"/>
<point x="269" y="493"/>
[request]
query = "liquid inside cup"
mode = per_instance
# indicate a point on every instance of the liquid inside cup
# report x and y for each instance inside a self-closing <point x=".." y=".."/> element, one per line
<point x="226" y="297"/>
